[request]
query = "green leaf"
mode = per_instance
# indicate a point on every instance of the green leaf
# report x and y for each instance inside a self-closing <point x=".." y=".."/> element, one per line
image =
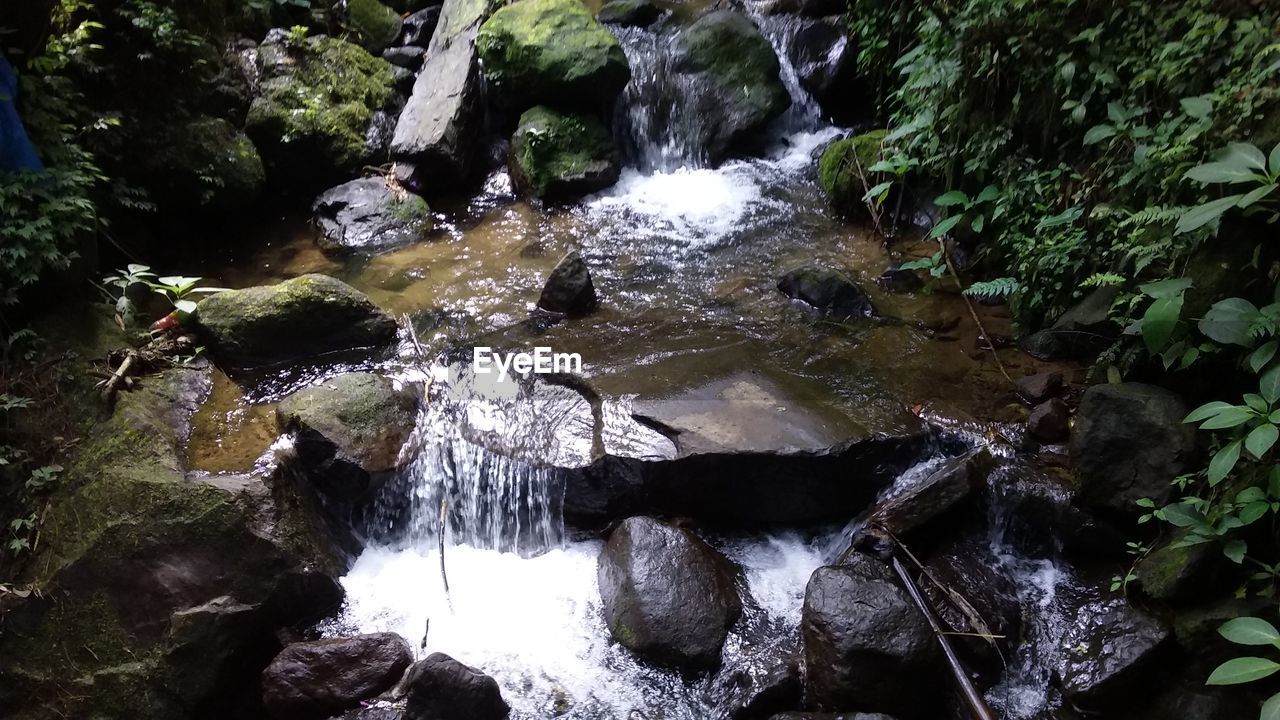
<point x="978" y="223"/>
<point x="991" y="192"/>
<point x="1221" y="172"/>
<point x="1256" y="402"/>
<point x="1166" y="288"/>
<point x="1242" y="670"/>
<point x="1197" y="107"/>
<point x="1271" y="708"/>
<point x="1247" y="155"/>
<point x="1159" y="322"/>
<point x="1273" y="164"/>
<point x="1223" y="462"/>
<point x="1201" y="215"/>
<point x="1063" y="218"/>
<point x="945" y="226"/>
<point x="1253" y="197"/>
<point x="1251" y="512"/>
<point x="1098" y="133"/>
<point x="955" y="197"/>
<point x="1228" y="418"/>
<point x="1182" y="515"/>
<point x="1206" y="411"/>
<point x="1235" y="550"/>
<point x="1259" y="358"/>
<point x="1269" y="384"/>
<point x="1228" y="321"/>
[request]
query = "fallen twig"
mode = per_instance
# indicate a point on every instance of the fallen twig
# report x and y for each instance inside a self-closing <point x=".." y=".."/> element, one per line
<point x="444" y="516"/>
<point x="111" y="385"/>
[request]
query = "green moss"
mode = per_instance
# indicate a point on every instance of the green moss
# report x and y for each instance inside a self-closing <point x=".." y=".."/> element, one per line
<point x="726" y="46"/>
<point x="375" y="23"/>
<point x="556" y="153"/>
<point x="838" y="169"/>
<point x="551" y="51"/>
<point x="321" y="103"/>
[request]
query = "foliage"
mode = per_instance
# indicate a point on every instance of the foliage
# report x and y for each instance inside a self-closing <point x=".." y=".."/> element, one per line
<point x="1250" y="631"/>
<point x="177" y="289"/>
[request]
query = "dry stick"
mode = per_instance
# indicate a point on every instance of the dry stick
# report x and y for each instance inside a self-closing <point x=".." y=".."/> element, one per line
<point x="977" y="705"/>
<point x="444" y="510"/>
<point x="109" y="389"/>
<point x="946" y="258"/>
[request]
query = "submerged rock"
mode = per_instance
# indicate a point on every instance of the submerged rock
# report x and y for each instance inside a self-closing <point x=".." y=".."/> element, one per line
<point x="1109" y="655"/>
<point x="667" y="595"/>
<point x="1129" y="443"/>
<point x="321" y="678"/>
<point x="558" y="156"/>
<point x="569" y="290"/>
<point x="866" y="645"/>
<point x="738" y="88"/>
<point x="350" y="430"/>
<point x="630" y="13"/>
<point x="439" y="138"/>
<point x="375" y="24"/>
<point x="843" y="166"/>
<point x="829" y="291"/>
<point x="441" y="688"/>
<point x="367" y="214"/>
<point x="552" y="51"/>
<point x="296" y="319"/>
<point x="315" y="102"/>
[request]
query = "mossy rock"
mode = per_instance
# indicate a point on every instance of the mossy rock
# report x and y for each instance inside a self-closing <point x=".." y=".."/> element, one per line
<point x="376" y="25"/>
<point x="560" y="156"/>
<point x="551" y="51"/>
<point x="737" y="76"/>
<point x="315" y="103"/>
<point x="293" y="320"/>
<point x="838" y="170"/>
<point x="203" y="164"/>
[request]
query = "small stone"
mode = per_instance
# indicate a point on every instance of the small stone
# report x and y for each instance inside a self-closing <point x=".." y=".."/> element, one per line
<point x="1037" y="388"/>
<point x="1050" y="421"/>
<point x="569" y="291"/>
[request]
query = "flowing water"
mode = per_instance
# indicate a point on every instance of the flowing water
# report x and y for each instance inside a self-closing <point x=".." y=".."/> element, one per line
<point x="685" y="258"/>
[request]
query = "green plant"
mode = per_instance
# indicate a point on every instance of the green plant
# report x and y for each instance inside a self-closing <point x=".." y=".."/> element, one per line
<point x="1252" y="632"/>
<point x="179" y="290"/>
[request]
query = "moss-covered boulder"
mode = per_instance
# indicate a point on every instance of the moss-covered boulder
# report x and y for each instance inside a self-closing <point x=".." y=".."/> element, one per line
<point x="551" y="51"/>
<point x="293" y="320"/>
<point x="375" y="24"/>
<point x="315" y="102"/>
<point x="369" y="214"/>
<point x="561" y="156"/>
<point x="348" y="431"/>
<point x="202" y="164"/>
<point x="843" y="166"/>
<point x="158" y="595"/>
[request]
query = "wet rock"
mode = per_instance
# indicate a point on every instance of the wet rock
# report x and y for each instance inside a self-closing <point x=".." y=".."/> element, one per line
<point x="408" y="57"/>
<point x="829" y="291"/>
<point x="666" y="594"/>
<point x="735" y="73"/>
<point x="558" y="156"/>
<point x="305" y="145"/>
<point x="973" y="596"/>
<point x="905" y="510"/>
<point x="367" y="214"/>
<point x="440" y="139"/>
<point x="419" y="27"/>
<point x="838" y="170"/>
<point x="163" y="592"/>
<point x="1174" y="574"/>
<point x="1040" y="387"/>
<point x="374" y="24"/>
<point x="866" y="645"/>
<point x="807" y="8"/>
<point x="1043" y="521"/>
<point x="441" y="688"/>
<point x="296" y="319"/>
<point x="1050" y="421"/>
<point x="896" y="280"/>
<point x="830" y="716"/>
<point x="1109" y="654"/>
<point x="569" y="289"/>
<point x="825" y="59"/>
<point x="1129" y="442"/>
<point x="554" y="52"/>
<point x="349" y="431"/>
<point x="779" y="689"/>
<point x="1081" y="333"/>
<point x="321" y="678"/>
<point x="629" y="13"/>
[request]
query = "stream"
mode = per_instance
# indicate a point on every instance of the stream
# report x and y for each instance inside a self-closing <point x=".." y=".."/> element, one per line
<point x="685" y="258"/>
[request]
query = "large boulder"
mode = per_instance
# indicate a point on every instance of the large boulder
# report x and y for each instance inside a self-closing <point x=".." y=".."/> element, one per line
<point x="558" y="156"/>
<point x="1129" y="443"/>
<point x="1110" y="655"/>
<point x="441" y="688"/>
<point x="829" y="291"/>
<point x="375" y="25"/>
<point x="320" y="678"/>
<point x="843" y="170"/>
<point x="369" y="214"/>
<point x="439" y="139"/>
<point x="158" y="595"/>
<point x="569" y="291"/>
<point x="552" y="51"/>
<point x="825" y="59"/>
<point x="866" y="645"/>
<point x="296" y="319"/>
<point x="202" y="164"/>
<point x="349" y="431"/>
<point x="734" y="75"/>
<point x="316" y="100"/>
<point x="667" y="595"/>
